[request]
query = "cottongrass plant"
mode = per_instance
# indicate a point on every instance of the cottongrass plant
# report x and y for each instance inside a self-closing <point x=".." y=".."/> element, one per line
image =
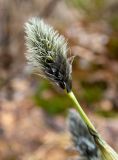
<point x="47" y="56"/>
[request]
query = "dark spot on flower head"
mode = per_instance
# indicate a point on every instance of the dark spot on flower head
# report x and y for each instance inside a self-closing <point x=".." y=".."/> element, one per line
<point x="59" y="70"/>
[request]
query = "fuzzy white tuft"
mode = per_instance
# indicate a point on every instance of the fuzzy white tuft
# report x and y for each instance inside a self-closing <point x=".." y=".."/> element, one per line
<point x="42" y="40"/>
<point x="47" y="53"/>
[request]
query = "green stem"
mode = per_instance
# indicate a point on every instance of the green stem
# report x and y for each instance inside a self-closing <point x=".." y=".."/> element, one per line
<point x="81" y="112"/>
<point x="107" y="152"/>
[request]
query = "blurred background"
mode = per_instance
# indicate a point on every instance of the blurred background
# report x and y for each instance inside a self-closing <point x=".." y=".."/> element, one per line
<point x="33" y="112"/>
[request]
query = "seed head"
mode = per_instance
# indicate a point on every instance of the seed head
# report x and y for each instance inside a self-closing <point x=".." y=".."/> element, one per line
<point x="47" y="53"/>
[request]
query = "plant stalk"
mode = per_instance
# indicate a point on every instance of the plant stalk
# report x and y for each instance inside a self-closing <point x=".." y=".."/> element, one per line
<point x="107" y="152"/>
<point x="81" y="112"/>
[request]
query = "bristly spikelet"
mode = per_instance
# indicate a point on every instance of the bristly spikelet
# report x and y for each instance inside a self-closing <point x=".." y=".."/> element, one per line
<point x="82" y="139"/>
<point x="47" y="53"/>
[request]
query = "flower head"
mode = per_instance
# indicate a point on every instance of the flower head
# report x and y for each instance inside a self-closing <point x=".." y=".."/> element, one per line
<point x="83" y="141"/>
<point x="47" y="53"/>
